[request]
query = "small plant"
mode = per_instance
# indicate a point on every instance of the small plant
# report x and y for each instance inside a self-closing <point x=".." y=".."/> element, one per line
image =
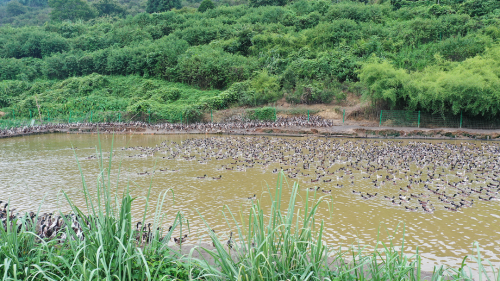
<point x="263" y="114"/>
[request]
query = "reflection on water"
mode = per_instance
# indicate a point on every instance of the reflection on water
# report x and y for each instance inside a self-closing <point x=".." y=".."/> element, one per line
<point x="35" y="169"/>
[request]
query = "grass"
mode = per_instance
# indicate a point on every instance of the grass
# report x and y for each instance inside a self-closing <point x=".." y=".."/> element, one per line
<point x="297" y="111"/>
<point x="285" y="243"/>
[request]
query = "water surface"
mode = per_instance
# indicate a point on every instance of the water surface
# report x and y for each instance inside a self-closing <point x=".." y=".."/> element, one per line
<point x="35" y="169"/>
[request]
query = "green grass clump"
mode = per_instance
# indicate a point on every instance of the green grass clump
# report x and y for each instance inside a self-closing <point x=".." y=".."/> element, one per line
<point x="287" y="244"/>
<point x="109" y="250"/>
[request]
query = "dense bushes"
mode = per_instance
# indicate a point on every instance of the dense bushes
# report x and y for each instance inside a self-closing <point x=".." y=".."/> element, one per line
<point x="167" y="101"/>
<point x="207" y="67"/>
<point x="32" y="43"/>
<point x="264" y="113"/>
<point x="256" y="54"/>
<point x="205" y="5"/>
<point x="470" y="86"/>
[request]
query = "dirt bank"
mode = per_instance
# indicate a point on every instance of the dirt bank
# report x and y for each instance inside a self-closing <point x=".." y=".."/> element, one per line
<point x="351" y="131"/>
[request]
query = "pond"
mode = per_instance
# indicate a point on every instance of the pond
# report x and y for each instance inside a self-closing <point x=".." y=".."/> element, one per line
<point x="35" y="169"/>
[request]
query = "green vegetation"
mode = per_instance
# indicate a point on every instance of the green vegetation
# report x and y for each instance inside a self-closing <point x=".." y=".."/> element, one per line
<point x="155" y="6"/>
<point x="97" y="93"/>
<point x="71" y="10"/>
<point x="264" y="113"/>
<point x="470" y="86"/>
<point x="109" y="250"/>
<point x="284" y="244"/>
<point x="206" y="5"/>
<point x="415" y="55"/>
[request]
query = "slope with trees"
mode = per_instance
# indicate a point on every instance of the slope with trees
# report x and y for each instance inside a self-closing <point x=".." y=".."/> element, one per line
<point x="416" y="55"/>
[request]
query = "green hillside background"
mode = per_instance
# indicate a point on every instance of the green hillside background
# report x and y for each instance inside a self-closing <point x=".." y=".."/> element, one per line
<point x="187" y="58"/>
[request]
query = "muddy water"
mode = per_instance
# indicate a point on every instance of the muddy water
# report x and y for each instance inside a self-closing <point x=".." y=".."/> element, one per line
<point x="35" y="170"/>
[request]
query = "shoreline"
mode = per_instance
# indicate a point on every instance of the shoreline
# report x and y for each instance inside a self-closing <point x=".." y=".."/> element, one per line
<point x="347" y="131"/>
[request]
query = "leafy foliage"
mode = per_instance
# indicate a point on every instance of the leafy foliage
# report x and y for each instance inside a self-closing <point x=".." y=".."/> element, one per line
<point x="257" y="3"/>
<point x="205" y="5"/>
<point x="14" y="8"/>
<point x="305" y="51"/>
<point x="71" y="10"/>
<point x="155" y="6"/>
<point x="108" y="7"/>
<point x="264" y="114"/>
<point x="468" y="86"/>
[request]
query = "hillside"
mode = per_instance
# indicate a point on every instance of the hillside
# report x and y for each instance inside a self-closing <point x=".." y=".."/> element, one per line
<point x="398" y="54"/>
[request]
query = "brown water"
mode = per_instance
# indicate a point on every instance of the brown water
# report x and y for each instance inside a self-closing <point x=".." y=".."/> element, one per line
<point x="37" y="168"/>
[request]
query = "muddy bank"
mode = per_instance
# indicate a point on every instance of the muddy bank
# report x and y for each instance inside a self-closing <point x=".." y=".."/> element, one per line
<point x="297" y="131"/>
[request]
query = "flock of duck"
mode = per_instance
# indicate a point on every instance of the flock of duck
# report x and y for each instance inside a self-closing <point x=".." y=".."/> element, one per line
<point x="414" y="175"/>
<point x="232" y="125"/>
<point x="46" y="226"/>
<point x="49" y="226"/>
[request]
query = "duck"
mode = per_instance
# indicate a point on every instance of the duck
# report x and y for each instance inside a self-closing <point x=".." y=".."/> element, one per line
<point x="213" y="240"/>
<point x="217" y="178"/>
<point x="253" y="197"/>
<point x="202" y="177"/>
<point x="229" y="242"/>
<point x="327" y="191"/>
<point x="411" y="209"/>
<point x="451" y="209"/>
<point x="394" y="202"/>
<point x="180" y="240"/>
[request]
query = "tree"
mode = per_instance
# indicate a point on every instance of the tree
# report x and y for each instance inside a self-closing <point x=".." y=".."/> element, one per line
<point x="108" y="7"/>
<point x="477" y="8"/>
<point x="34" y="3"/>
<point x="206" y="5"/>
<point x="156" y="6"/>
<point x="257" y="3"/>
<point x="71" y="10"/>
<point x="14" y="8"/>
<point x="397" y="4"/>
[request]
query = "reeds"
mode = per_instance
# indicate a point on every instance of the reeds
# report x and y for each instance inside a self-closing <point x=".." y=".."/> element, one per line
<point x="285" y="243"/>
<point x="108" y="251"/>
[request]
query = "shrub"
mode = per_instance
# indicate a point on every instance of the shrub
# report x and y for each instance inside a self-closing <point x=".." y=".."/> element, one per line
<point x="14" y="8"/>
<point x="257" y="3"/>
<point x="71" y="10"/>
<point x="213" y="68"/>
<point x="166" y="96"/>
<point x="316" y="92"/>
<point x="263" y="114"/>
<point x="206" y="5"/>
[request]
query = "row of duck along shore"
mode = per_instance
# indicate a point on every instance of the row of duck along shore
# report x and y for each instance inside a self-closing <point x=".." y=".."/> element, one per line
<point x="290" y="126"/>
